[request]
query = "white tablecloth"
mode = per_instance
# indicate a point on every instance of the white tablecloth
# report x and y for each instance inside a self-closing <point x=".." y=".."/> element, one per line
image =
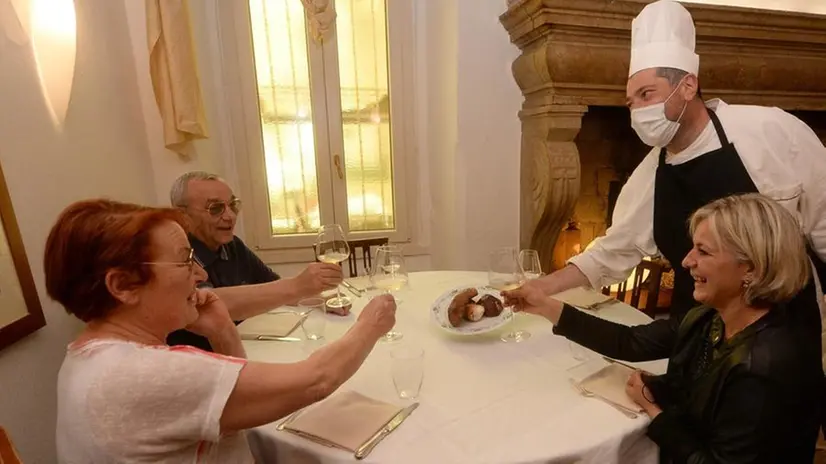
<point x="482" y="401"/>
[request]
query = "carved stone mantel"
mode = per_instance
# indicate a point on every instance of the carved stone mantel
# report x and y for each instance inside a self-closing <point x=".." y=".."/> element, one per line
<point x="575" y="54"/>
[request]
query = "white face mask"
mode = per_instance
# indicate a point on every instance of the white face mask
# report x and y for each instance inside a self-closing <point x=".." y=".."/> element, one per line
<point x="651" y="124"/>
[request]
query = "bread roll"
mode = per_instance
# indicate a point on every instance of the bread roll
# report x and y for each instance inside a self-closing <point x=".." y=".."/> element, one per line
<point x="456" y="310"/>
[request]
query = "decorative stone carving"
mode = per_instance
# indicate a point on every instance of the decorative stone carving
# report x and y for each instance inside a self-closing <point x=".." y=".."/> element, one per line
<point x="550" y="174"/>
<point x="575" y="54"/>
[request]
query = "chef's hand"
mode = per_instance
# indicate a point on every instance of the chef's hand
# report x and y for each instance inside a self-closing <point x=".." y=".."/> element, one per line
<point x="531" y="298"/>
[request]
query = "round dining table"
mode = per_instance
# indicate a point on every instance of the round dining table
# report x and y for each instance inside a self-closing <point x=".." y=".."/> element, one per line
<point x="482" y="400"/>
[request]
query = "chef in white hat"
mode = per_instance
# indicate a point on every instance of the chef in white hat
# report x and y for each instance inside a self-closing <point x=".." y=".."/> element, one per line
<point x="702" y="151"/>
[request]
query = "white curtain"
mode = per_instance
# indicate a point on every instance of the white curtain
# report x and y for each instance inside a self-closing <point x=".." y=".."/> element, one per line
<point x="174" y="72"/>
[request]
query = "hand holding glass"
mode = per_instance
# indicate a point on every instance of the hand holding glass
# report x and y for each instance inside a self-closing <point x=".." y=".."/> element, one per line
<point x="505" y="274"/>
<point x="389" y="273"/>
<point x="332" y="248"/>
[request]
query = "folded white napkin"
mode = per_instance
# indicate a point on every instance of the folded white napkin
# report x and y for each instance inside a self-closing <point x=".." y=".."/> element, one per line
<point x="278" y="324"/>
<point x="582" y="297"/>
<point x="346" y="420"/>
<point x="609" y="383"/>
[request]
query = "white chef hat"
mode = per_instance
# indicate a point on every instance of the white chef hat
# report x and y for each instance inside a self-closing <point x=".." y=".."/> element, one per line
<point x="663" y="36"/>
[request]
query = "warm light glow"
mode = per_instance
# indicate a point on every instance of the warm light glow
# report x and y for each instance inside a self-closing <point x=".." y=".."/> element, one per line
<point x="56" y="17"/>
<point x="54" y="33"/>
<point x="13" y="21"/>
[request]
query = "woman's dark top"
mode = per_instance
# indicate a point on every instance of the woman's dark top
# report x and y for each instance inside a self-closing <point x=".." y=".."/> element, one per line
<point x="752" y="399"/>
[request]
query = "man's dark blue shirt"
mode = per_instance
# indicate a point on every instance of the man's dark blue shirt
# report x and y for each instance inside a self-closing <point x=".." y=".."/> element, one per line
<point x="231" y="265"/>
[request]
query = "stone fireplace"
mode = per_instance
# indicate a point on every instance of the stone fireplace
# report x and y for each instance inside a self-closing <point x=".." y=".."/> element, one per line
<point x="577" y="144"/>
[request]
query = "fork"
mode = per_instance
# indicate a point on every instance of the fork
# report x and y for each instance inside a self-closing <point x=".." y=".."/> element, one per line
<point x="589" y="394"/>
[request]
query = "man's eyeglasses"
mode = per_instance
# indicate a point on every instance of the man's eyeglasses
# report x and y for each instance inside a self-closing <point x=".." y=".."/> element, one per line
<point x="190" y="261"/>
<point x="217" y="208"/>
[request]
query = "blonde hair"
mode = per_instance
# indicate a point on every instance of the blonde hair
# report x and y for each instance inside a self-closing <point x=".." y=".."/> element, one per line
<point x="760" y="232"/>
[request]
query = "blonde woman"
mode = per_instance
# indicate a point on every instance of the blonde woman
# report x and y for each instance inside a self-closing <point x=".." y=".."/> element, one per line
<point x="743" y="381"/>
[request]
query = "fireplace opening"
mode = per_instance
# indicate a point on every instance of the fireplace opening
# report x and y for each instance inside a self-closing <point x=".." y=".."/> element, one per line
<point x="609" y="151"/>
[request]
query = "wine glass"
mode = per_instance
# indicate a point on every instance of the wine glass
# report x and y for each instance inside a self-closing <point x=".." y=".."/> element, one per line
<point x="505" y="273"/>
<point x="530" y="265"/>
<point x="331" y="247"/>
<point x="389" y="273"/>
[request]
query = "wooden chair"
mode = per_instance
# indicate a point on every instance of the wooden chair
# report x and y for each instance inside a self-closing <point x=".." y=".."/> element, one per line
<point x="8" y="455"/>
<point x="647" y="290"/>
<point x="362" y="248"/>
<point x="367" y="259"/>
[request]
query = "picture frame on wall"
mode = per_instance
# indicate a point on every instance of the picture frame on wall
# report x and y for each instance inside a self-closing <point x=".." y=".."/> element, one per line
<point x="20" y="311"/>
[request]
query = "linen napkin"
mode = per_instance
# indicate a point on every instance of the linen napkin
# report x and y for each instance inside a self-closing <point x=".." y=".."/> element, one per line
<point x="278" y="324"/>
<point x="582" y="297"/>
<point x="609" y="383"/>
<point x="346" y="420"/>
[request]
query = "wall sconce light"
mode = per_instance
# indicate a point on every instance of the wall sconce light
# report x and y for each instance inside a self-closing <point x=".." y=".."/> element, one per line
<point x="54" y="41"/>
<point x="568" y="245"/>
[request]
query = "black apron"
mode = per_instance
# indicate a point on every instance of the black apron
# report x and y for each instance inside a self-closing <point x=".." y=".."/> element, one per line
<point x="681" y="189"/>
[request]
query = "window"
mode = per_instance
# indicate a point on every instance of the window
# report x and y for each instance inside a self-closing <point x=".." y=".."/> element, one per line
<point x="324" y="122"/>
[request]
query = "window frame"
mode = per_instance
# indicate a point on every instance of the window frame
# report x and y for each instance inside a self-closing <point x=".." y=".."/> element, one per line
<point x="237" y="75"/>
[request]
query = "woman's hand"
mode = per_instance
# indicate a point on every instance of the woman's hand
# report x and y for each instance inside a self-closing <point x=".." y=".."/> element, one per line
<point x="213" y="316"/>
<point x="531" y="298"/>
<point x="637" y="391"/>
<point x="379" y="314"/>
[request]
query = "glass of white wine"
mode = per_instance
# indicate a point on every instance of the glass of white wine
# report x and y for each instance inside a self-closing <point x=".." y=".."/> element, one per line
<point x="530" y="264"/>
<point x="389" y="273"/>
<point x="331" y="247"/>
<point x="505" y="273"/>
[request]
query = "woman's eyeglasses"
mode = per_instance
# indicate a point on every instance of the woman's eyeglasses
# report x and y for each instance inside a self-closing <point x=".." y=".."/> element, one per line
<point x="190" y="261"/>
<point x="219" y="207"/>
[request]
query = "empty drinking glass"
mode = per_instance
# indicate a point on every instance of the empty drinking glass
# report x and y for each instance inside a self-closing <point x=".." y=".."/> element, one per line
<point x="407" y="369"/>
<point x="579" y="352"/>
<point x="530" y="264"/>
<point x="314" y="318"/>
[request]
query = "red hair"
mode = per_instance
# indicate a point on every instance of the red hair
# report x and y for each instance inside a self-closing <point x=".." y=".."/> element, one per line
<point x="92" y="237"/>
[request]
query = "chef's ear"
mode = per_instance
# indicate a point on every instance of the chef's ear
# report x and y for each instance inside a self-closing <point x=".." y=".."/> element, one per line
<point x="691" y="87"/>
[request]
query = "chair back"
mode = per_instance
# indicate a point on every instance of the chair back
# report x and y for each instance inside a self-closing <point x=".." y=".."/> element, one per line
<point x="648" y="287"/>
<point x="362" y="248"/>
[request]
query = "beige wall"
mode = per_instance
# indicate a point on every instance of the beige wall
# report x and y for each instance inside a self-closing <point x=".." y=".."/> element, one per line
<point x="468" y="130"/>
<point x="101" y="151"/>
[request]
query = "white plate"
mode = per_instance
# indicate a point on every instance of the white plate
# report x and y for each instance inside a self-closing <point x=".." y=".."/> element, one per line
<point x="438" y="313"/>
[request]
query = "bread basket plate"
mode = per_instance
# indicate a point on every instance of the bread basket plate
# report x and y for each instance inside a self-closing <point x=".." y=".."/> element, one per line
<point x="438" y="313"/>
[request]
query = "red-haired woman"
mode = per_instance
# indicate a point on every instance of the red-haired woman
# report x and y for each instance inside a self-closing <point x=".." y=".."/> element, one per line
<point x="123" y="394"/>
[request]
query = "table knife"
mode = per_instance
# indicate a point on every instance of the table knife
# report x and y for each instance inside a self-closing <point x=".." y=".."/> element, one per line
<point x="352" y="289"/>
<point x="367" y="447"/>
<point x="273" y="338"/>
<point x="614" y="361"/>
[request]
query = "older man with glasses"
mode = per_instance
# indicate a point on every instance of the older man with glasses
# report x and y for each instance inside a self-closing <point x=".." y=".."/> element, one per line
<point x="247" y="285"/>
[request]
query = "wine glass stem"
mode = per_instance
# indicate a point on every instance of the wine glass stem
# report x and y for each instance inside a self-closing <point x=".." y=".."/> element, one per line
<point x="338" y="294"/>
